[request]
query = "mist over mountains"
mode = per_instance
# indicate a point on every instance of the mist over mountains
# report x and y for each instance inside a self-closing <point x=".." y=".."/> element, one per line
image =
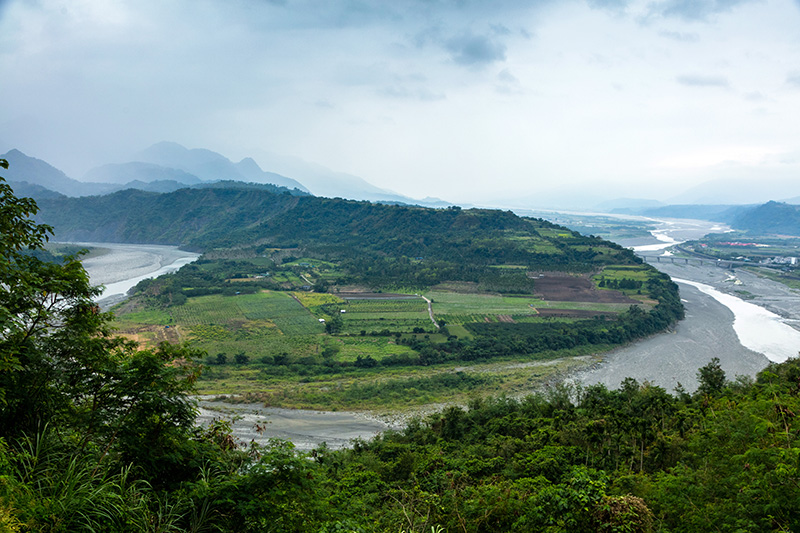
<point x="167" y="167"/>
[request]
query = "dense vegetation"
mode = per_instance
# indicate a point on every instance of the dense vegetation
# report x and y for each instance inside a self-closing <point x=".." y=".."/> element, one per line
<point x="346" y="230"/>
<point x="96" y="435"/>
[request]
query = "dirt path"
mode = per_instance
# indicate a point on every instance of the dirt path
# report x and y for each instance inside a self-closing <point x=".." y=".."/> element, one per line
<point x="430" y="311"/>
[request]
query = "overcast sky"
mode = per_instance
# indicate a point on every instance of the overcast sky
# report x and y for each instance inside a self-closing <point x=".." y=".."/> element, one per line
<point x="453" y="98"/>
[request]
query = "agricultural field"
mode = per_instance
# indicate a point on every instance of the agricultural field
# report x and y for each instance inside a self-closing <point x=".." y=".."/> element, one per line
<point x="381" y="314"/>
<point x="303" y="348"/>
<point x="459" y="309"/>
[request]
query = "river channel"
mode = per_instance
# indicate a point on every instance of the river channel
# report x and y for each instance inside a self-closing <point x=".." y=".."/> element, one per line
<point x="744" y="335"/>
<point x="119" y="267"/>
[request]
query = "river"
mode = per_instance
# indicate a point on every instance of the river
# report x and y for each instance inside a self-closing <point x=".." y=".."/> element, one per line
<point x="119" y="267"/>
<point x="744" y="335"/>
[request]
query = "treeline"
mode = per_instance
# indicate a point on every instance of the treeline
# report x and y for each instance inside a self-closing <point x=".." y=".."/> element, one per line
<point x="591" y="459"/>
<point x="205" y="277"/>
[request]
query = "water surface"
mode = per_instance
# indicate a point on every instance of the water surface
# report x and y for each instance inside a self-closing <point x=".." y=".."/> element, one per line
<point x="757" y="328"/>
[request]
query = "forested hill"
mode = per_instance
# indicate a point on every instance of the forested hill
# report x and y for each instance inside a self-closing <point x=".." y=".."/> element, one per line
<point x="224" y="218"/>
<point x="770" y="218"/>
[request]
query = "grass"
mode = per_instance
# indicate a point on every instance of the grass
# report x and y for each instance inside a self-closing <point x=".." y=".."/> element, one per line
<point x="620" y="272"/>
<point x="316" y="299"/>
<point x="350" y="348"/>
<point x="157" y="317"/>
<point x="396" y="389"/>
<point x="459" y="331"/>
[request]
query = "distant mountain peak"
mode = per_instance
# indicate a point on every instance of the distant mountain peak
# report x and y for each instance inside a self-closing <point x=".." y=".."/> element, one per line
<point x="249" y="167"/>
<point x="24" y="168"/>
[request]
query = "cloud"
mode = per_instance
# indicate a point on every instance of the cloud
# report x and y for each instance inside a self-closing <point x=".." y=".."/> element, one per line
<point x="703" y="80"/>
<point x="500" y="29"/>
<point x="693" y="10"/>
<point x="475" y="50"/>
<point x="507" y="83"/>
<point x="611" y="5"/>
<point x="505" y="76"/>
<point x="404" y="93"/>
<point x="793" y="78"/>
<point x="755" y="96"/>
<point x="685" y="37"/>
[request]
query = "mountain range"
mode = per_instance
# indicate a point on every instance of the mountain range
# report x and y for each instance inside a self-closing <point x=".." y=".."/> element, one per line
<point x="167" y="166"/>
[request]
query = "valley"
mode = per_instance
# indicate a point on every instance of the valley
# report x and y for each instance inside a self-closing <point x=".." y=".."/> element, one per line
<point x="666" y="359"/>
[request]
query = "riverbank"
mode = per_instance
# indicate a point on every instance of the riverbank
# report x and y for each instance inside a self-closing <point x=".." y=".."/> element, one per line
<point x="708" y="331"/>
<point x="305" y="429"/>
<point x="119" y="267"/>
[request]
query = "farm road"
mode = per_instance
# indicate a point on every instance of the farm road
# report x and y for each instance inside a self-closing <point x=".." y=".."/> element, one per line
<point x="430" y="311"/>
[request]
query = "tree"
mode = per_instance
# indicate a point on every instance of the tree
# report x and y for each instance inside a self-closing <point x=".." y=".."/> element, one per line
<point x="55" y="344"/>
<point x="61" y="366"/>
<point x="711" y="377"/>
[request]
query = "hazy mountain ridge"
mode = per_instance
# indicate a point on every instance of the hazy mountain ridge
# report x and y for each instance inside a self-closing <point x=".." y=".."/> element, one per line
<point x="168" y="166"/>
<point x="137" y="171"/>
<point x="775" y="218"/>
<point x="207" y="165"/>
<point x="716" y="213"/>
<point x="736" y="191"/>
<point x="23" y="168"/>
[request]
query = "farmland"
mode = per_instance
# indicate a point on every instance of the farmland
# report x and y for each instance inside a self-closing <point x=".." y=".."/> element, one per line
<point x="306" y="348"/>
<point x="336" y="288"/>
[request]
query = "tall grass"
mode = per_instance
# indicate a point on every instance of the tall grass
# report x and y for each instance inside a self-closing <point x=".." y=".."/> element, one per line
<point x="47" y="485"/>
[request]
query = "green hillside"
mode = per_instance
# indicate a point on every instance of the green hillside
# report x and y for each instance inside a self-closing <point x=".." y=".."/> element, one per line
<point x="770" y="218"/>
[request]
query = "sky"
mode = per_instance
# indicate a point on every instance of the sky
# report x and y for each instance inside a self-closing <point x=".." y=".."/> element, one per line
<point x="467" y="100"/>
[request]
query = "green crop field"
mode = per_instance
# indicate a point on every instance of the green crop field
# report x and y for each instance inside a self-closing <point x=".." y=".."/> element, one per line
<point x="377" y="315"/>
<point x="639" y="273"/>
<point x="214" y="309"/>
<point x="383" y="306"/>
<point x="286" y="312"/>
<point x="157" y="317"/>
<point x="350" y="348"/>
<point x="451" y="303"/>
<point x="351" y="326"/>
